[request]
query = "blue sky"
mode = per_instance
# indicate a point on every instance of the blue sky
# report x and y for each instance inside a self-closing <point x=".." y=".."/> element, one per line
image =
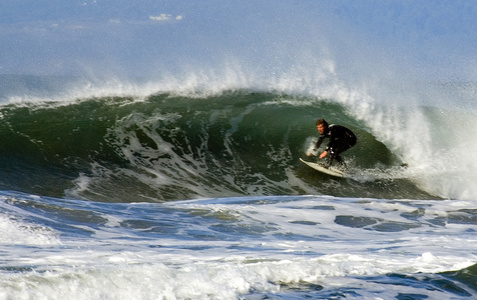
<point x="147" y="38"/>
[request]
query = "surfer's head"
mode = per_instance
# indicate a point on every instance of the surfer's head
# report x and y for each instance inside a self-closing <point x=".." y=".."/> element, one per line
<point x="322" y="126"/>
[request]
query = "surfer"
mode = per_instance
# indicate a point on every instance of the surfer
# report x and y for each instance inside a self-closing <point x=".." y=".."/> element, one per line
<point x="341" y="139"/>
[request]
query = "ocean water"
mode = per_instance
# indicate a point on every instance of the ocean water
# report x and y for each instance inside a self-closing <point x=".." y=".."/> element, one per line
<point x="158" y="192"/>
<point x="150" y="150"/>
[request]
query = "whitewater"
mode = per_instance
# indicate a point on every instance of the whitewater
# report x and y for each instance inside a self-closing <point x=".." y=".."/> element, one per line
<point x="276" y="247"/>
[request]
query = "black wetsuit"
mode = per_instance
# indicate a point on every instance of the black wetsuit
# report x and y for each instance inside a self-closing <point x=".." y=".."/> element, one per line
<point x="341" y="139"/>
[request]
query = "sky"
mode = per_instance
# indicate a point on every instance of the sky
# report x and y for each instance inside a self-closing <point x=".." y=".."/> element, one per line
<point x="433" y="39"/>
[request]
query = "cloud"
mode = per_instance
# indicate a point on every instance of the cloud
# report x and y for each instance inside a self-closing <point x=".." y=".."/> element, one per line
<point x="161" y="17"/>
<point x="165" y="17"/>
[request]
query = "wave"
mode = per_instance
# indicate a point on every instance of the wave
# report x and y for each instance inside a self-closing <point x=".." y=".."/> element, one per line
<point x="170" y="146"/>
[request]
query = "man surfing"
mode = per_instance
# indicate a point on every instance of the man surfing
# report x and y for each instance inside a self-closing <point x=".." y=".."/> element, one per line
<point x="341" y="139"/>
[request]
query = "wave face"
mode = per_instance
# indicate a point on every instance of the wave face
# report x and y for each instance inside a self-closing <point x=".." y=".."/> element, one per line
<point x="170" y="146"/>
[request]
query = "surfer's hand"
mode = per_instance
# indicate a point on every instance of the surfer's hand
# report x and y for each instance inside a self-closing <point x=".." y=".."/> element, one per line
<point x="323" y="154"/>
<point x="312" y="152"/>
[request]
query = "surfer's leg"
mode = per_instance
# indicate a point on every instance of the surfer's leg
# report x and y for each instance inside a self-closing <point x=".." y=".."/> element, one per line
<point x="329" y="162"/>
<point x="339" y="159"/>
<point x="335" y="155"/>
<point x="340" y="148"/>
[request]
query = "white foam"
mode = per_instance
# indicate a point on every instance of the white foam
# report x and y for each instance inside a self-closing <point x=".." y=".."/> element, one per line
<point x="206" y="279"/>
<point x="18" y="232"/>
<point x="267" y="242"/>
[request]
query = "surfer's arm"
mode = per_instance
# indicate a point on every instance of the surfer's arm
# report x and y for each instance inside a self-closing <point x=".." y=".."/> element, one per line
<point x="317" y="145"/>
<point x="319" y="142"/>
<point x="328" y="148"/>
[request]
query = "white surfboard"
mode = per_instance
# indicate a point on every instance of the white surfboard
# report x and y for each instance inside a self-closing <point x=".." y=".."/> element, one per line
<point x="330" y="171"/>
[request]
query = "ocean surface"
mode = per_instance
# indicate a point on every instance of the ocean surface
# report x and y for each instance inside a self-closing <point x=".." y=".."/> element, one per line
<point x="179" y="191"/>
